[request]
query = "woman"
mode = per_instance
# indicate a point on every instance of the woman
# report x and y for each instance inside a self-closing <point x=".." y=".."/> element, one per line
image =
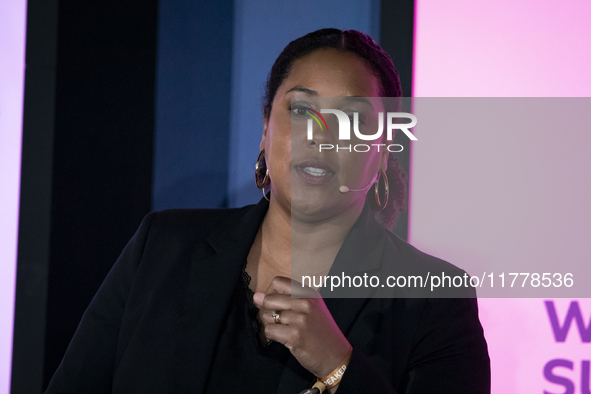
<point x="204" y="300"/>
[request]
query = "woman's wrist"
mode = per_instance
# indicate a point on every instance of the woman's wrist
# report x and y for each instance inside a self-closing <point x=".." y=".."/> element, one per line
<point x="332" y="380"/>
<point x="334" y="361"/>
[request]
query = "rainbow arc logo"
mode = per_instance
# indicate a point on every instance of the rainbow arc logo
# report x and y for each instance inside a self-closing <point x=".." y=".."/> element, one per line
<point x="315" y="115"/>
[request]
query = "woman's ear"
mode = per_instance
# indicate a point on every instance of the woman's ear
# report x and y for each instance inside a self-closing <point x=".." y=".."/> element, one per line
<point x="265" y="125"/>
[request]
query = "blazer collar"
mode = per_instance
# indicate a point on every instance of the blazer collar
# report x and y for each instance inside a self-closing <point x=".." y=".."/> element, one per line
<point x="239" y="229"/>
<point x="361" y="251"/>
<point x="363" y="247"/>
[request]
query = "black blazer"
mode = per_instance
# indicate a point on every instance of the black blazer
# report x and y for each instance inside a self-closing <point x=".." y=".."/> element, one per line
<point x="154" y="323"/>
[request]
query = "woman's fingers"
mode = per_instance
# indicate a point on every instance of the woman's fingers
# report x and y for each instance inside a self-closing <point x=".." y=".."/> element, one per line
<point x="290" y="332"/>
<point x="284" y="285"/>
<point x="279" y="284"/>
<point x="286" y="317"/>
<point x="284" y="302"/>
<point x="279" y="295"/>
<point x="305" y="327"/>
<point x="287" y="335"/>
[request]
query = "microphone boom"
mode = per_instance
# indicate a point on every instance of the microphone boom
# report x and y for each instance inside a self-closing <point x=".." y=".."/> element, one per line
<point x="344" y="189"/>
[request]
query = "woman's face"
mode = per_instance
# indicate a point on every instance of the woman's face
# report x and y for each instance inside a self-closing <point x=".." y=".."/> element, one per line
<point x="303" y="178"/>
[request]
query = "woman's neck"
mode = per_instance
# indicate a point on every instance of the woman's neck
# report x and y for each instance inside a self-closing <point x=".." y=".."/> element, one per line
<point x="293" y="247"/>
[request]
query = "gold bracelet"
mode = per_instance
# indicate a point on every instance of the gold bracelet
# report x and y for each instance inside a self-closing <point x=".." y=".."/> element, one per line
<point x="335" y="377"/>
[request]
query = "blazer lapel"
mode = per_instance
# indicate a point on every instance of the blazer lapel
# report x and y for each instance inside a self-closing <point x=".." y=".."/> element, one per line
<point x="211" y="285"/>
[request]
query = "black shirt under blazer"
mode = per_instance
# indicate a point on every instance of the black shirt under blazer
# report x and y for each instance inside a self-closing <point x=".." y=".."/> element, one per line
<point x="154" y="323"/>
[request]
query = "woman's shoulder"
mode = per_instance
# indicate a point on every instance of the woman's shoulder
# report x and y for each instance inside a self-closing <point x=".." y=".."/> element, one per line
<point x="432" y="277"/>
<point x="419" y="259"/>
<point x="192" y="222"/>
<point x="196" y="216"/>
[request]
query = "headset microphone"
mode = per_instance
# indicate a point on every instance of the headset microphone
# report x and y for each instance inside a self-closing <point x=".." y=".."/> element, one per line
<point x="344" y="189"/>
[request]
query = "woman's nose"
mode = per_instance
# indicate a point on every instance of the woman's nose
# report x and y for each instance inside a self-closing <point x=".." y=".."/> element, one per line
<point x="325" y="133"/>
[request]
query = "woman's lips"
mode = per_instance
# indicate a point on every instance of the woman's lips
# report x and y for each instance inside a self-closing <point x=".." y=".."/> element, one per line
<point x="314" y="172"/>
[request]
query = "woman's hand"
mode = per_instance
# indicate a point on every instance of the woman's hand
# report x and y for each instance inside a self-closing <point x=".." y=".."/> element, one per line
<point x="307" y="328"/>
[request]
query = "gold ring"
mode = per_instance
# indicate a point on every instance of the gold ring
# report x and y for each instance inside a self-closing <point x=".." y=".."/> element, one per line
<point x="276" y="316"/>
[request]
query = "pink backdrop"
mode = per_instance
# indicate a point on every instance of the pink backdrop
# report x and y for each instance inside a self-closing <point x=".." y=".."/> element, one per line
<point x="12" y="55"/>
<point x="505" y="48"/>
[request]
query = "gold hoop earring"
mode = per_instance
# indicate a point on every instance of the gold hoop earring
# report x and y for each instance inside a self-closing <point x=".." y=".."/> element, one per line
<point x="381" y="175"/>
<point x="260" y="168"/>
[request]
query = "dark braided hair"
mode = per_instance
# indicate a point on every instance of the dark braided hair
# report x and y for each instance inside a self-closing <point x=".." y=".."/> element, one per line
<point x="380" y="62"/>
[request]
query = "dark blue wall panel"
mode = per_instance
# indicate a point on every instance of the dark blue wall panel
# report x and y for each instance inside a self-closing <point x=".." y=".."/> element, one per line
<point x="192" y="104"/>
<point x="213" y="61"/>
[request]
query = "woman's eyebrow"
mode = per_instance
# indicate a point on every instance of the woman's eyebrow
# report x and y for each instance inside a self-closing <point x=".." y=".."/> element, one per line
<point x="357" y="99"/>
<point x="302" y="89"/>
<point x="311" y="92"/>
